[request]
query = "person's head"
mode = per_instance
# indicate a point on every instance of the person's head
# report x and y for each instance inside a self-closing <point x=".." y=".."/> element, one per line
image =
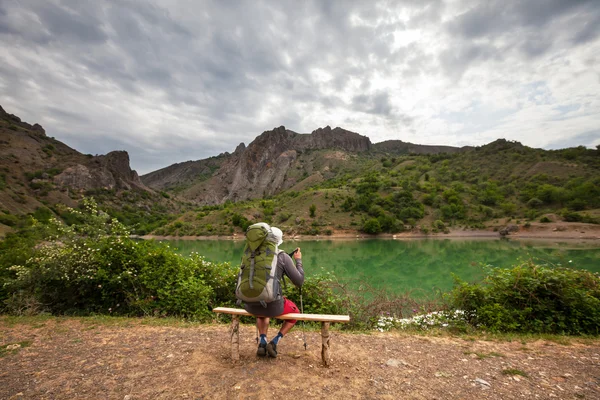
<point x="277" y="234"/>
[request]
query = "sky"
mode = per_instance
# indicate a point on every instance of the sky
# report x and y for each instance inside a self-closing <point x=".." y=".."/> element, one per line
<point x="170" y="81"/>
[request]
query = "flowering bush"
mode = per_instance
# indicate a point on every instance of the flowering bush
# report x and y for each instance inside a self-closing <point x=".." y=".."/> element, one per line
<point x="94" y="266"/>
<point x="534" y="299"/>
<point x="435" y="319"/>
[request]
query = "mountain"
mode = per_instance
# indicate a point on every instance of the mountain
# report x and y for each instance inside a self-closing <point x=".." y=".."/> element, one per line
<point x="276" y="161"/>
<point x="36" y="169"/>
<point x="400" y="147"/>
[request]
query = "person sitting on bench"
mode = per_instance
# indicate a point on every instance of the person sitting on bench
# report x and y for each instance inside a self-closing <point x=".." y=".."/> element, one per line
<point x="281" y="305"/>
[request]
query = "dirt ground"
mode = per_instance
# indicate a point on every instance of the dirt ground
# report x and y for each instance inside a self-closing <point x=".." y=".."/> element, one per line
<point x="69" y="358"/>
<point x="536" y="230"/>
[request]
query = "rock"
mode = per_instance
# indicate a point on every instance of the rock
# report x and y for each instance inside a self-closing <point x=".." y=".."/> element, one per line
<point x="258" y="170"/>
<point x="13" y="346"/>
<point x="38" y="128"/>
<point x="484" y="384"/>
<point x="392" y="362"/>
<point x="127" y="397"/>
<point x="507" y="230"/>
<point x="111" y="171"/>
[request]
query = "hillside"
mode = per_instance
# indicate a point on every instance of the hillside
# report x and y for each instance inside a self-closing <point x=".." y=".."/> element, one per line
<point x="276" y="161"/>
<point x="341" y="192"/>
<point x="328" y="182"/>
<point x="38" y="172"/>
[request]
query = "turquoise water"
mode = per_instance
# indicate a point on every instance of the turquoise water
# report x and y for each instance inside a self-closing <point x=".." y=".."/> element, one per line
<point x="418" y="265"/>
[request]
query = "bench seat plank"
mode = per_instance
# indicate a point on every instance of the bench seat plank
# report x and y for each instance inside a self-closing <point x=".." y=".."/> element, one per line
<point x="298" y="316"/>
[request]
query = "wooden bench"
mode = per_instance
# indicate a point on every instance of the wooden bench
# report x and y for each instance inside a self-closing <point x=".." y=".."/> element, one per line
<point x="325" y="320"/>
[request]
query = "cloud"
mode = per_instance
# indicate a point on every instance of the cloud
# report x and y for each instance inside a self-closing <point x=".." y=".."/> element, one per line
<point x="589" y="139"/>
<point x="172" y="81"/>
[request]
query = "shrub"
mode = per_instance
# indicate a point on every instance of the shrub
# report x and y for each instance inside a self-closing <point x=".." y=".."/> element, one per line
<point x="284" y="217"/>
<point x="312" y="210"/>
<point x="545" y="219"/>
<point x="372" y="226"/>
<point x="535" y="203"/>
<point x="437" y="224"/>
<point x="9" y="220"/>
<point x="95" y="267"/>
<point x="532" y="298"/>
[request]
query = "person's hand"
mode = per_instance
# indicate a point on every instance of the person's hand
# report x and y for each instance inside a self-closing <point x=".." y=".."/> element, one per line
<point x="297" y="254"/>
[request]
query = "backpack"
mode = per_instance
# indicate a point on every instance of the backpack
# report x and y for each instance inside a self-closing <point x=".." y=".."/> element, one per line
<point x="257" y="282"/>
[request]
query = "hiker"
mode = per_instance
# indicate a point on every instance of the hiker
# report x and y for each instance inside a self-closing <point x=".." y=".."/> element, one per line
<point x="276" y="264"/>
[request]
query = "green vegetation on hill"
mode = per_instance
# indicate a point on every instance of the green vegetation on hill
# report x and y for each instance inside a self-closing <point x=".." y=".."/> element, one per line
<point x="379" y="192"/>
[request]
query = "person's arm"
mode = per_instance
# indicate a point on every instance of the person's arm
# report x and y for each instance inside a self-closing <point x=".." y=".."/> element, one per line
<point x="294" y="272"/>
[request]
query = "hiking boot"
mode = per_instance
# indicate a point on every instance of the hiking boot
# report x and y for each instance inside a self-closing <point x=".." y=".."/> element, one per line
<point x="262" y="350"/>
<point x="272" y="349"/>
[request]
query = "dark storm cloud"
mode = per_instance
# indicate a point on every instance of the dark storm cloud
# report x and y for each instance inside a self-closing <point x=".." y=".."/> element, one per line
<point x="378" y="103"/>
<point x="73" y="23"/>
<point x="497" y="16"/>
<point x="589" y="139"/>
<point x="171" y="81"/>
<point x="504" y="29"/>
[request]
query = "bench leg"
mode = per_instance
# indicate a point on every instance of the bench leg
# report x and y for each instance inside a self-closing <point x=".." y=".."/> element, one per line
<point x="235" y="338"/>
<point x="325" y="343"/>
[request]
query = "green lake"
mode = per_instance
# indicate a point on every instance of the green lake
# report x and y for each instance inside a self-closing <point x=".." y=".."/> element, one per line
<point x="414" y="265"/>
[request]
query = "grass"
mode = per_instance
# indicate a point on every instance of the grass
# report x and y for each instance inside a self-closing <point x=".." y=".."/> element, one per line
<point x="8" y="348"/>
<point x="94" y="321"/>
<point x="482" y="356"/>
<point x="514" y="371"/>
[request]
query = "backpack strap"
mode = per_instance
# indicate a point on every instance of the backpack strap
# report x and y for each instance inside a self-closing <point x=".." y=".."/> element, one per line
<point x="251" y="278"/>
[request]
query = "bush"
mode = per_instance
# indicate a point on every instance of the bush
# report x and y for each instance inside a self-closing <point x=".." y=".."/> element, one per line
<point x="241" y="221"/>
<point x="95" y="267"/>
<point x="8" y="219"/>
<point x="439" y="225"/>
<point x="534" y="203"/>
<point x="372" y="226"/>
<point x="532" y="298"/>
<point x="545" y="219"/>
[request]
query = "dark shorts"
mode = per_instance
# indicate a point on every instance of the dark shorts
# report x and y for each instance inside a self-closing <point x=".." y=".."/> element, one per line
<point x="290" y="307"/>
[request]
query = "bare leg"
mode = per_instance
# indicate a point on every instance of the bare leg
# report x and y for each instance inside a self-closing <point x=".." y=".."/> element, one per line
<point x="285" y="328"/>
<point x="262" y="323"/>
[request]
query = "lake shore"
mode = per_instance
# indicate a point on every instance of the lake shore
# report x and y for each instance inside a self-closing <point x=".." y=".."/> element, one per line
<point x="548" y="231"/>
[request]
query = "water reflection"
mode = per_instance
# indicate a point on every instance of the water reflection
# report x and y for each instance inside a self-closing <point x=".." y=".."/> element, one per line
<point x="408" y="265"/>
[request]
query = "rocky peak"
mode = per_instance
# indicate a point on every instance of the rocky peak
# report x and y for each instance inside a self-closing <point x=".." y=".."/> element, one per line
<point x="14" y="120"/>
<point x="240" y="148"/>
<point x="339" y="138"/>
<point x="110" y="171"/>
<point x="266" y="147"/>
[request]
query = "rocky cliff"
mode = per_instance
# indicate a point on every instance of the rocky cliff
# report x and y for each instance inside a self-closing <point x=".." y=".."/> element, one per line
<point x="275" y="161"/>
<point x="110" y="171"/>
<point x="36" y="168"/>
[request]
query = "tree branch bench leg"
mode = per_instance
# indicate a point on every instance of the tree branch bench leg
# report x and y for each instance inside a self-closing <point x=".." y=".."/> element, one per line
<point x="325" y="355"/>
<point x="235" y="338"/>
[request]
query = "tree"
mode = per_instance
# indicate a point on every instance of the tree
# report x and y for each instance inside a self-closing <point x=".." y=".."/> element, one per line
<point x="312" y="210"/>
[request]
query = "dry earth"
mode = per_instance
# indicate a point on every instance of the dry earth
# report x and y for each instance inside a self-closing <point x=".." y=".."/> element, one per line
<point x="550" y="231"/>
<point x="80" y="359"/>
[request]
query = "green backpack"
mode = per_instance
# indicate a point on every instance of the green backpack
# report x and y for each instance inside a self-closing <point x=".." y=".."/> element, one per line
<point x="257" y="282"/>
